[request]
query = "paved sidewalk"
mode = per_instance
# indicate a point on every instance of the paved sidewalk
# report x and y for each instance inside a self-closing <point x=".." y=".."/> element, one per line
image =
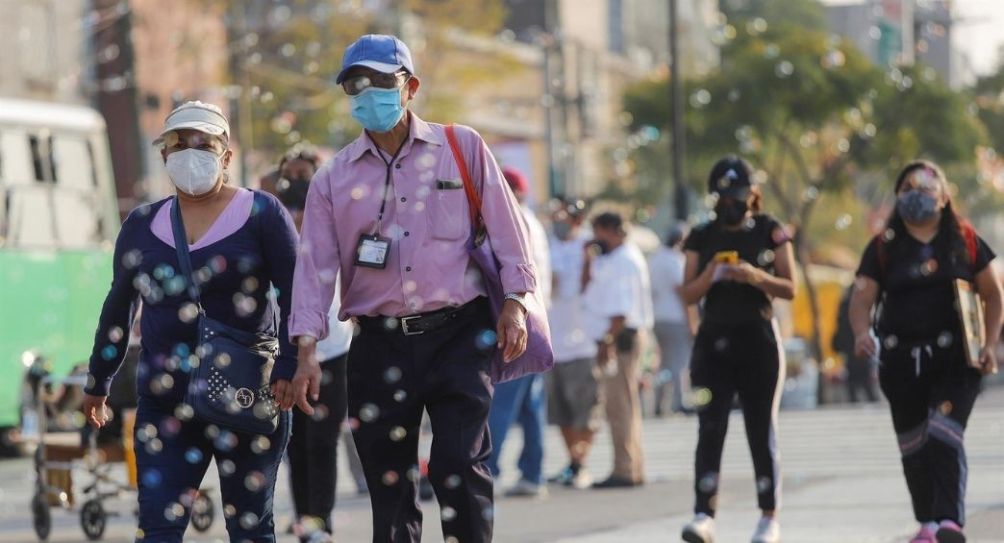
<point x="842" y="482"/>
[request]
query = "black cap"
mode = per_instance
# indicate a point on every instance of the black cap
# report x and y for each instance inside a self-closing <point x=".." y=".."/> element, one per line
<point x="731" y="176"/>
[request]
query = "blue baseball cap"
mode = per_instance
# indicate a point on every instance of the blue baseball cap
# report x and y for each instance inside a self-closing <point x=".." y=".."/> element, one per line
<point x="381" y="52"/>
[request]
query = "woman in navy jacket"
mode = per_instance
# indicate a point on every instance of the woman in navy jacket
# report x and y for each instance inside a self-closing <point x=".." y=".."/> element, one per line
<point x="242" y="244"/>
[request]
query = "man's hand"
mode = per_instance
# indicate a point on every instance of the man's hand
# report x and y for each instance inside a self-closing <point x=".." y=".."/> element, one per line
<point x="94" y="410"/>
<point x="511" y="330"/>
<point x="988" y="361"/>
<point x="605" y="354"/>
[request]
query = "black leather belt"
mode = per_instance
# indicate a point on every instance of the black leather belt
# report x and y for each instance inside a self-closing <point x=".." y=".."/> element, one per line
<point x="421" y="323"/>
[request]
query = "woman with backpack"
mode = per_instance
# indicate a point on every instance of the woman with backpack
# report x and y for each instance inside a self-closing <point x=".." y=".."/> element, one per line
<point x="910" y="271"/>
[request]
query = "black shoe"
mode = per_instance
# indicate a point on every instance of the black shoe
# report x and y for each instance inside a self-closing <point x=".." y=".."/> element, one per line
<point x="949" y="535"/>
<point x="564" y="477"/>
<point x="616" y="482"/>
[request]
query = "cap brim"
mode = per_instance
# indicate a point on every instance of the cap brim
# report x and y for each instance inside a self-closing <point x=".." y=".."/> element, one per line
<point x="201" y="126"/>
<point x="735" y="192"/>
<point x="381" y="67"/>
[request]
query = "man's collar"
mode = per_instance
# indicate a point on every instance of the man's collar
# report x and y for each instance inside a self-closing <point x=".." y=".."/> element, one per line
<point x="421" y="130"/>
<point x="417" y="130"/>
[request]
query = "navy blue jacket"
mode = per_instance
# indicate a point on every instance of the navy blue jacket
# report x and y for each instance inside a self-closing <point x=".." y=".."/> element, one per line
<point x="235" y="274"/>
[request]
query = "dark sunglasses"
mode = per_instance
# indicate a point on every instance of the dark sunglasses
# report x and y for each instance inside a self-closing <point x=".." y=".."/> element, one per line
<point x="357" y="84"/>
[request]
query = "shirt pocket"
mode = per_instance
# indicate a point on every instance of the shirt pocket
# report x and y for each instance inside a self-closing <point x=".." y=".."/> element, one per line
<point x="448" y="218"/>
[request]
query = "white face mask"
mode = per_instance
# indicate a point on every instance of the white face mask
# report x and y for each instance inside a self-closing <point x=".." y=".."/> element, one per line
<point x="194" y="171"/>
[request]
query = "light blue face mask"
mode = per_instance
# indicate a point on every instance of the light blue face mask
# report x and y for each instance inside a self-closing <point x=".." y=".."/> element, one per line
<point x="378" y="110"/>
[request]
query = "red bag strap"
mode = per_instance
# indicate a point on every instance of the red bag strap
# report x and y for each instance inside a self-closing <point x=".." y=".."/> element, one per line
<point x="969" y="235"/>
<point x="473" y="199"/>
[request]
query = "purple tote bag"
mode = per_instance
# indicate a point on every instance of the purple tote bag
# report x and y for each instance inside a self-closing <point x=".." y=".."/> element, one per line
<point x="539" y="356"/>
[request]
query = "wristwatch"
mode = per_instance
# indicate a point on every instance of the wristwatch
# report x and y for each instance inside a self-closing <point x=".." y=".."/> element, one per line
<point x="518" y="298"/>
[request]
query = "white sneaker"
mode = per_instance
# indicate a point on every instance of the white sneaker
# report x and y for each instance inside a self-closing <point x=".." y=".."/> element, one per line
<point x="582" y="480"/>
<point x="322" y="537"/>
<point x="768" y="530"/>
<point x="525" y="488"/>
<point x="699" y="530"/>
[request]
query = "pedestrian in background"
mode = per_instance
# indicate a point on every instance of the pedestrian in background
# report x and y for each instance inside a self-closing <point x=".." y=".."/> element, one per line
<point x="573" y="391"/>
<point x="242" y="243"/>
<point x="859" y="369"/>
<point x="737" y="263"/>
<point x="673" y="327"/>
<point x="911" y="270"/>
<point x="390" y="216"/>
<point x="618" y="294"/>
<point x="523" y="400"/>
<point x="313" y="445"/>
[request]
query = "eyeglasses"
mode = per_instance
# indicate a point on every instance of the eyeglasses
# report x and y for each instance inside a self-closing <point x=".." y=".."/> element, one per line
<point x="173" y="141"/>
<point x="357" y="84"/>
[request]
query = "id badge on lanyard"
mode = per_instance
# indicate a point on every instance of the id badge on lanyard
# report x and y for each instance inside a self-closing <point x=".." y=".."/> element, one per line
<point x="372" y="250"/>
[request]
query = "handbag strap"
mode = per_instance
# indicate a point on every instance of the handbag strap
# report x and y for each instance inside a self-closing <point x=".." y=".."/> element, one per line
<point x="184" y="258"/>
<point x="473" y="199"/>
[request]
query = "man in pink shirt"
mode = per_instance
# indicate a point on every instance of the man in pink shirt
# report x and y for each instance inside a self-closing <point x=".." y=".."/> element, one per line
<point x="389" y="215"/>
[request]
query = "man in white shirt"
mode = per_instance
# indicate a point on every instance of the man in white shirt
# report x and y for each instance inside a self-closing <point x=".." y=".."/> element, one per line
<point x="619" y="292"/>
<point x="522" y="400"/>
<point x="574" y="401"/>
<point x="313" y="443"/>
<point x="672" y="320"/>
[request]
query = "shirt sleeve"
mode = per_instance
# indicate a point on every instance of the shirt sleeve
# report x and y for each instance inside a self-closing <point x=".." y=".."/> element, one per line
<point x="777" y="234"/>
<point x="984" y="255"/>
<point x="695" y="240"/>
<point x="616" y="293"/>
<point x="658" y="272"/>
<point x="541" y="257"/>
<point x="870" y="266"/>
<point x="112" y="336"/>
<point x="279" y="243"/>
<point x="503" y="218"/>
<point x="317" y="262"/>
<point x="675" y="271"/>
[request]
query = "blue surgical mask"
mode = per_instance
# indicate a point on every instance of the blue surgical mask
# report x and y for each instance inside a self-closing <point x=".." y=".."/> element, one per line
<point x="917" y="206"/>
<point x="378" y="110"/>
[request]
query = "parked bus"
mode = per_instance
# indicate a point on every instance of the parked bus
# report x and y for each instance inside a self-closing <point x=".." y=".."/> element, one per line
<point x="58" y="221"/>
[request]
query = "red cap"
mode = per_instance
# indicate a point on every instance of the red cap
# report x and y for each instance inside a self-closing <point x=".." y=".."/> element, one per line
<point x="517" y="181"/>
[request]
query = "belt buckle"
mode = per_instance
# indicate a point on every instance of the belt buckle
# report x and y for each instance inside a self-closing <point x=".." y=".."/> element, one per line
<point x="405" y="329"/>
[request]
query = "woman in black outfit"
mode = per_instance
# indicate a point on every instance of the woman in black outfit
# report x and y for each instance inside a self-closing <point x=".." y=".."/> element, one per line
<point x="737" y="264"/>
<point x="910" y="269"/>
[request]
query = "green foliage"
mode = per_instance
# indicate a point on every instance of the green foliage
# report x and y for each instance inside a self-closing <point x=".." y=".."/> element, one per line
<point x="816" y="116"/>
<point x="919" y="116"/>
<point x="285" y="59"/>
<point x="787" y="13"/>
<point x="989" y="99"/>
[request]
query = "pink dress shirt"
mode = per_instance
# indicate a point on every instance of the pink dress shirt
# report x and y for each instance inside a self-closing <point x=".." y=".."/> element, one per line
<point x="426" y="218"/>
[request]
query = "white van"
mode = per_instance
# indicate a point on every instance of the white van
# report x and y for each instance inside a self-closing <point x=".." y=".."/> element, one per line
<point x="56" y="182"/>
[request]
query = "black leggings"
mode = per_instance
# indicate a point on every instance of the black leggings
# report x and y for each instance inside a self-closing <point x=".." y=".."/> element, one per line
<point x="314" y="444"/>
<point x="931" y="393"/>
<point x="746" y="360"/>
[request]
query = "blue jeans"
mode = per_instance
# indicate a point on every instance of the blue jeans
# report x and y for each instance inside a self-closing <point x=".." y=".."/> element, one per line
<point x="171" y="458"/>
<point x="521" y="400"/>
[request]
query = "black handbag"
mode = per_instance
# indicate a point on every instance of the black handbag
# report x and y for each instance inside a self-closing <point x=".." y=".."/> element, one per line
<point x="229" y="383"/>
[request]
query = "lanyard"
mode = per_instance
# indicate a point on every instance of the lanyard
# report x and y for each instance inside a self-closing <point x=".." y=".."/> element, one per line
<point x="386" y="183"/>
